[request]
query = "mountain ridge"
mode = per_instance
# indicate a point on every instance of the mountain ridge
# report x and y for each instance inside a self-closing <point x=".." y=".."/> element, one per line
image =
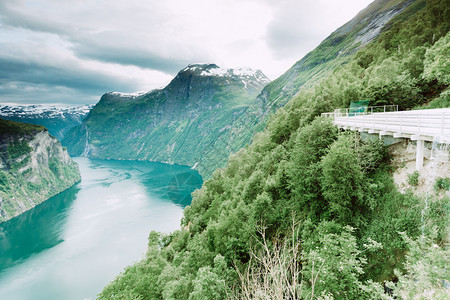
<point x="174" y="124"/>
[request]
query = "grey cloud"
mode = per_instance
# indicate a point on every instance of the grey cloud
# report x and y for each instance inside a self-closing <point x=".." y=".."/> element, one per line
<point x="294" y="30"/>
<point x="123" y="48"/>
<point x="33" y="72"/>
<point x="289" y="42"/>
<point x="136" y="49"/>
<point x="31" y="93"/>
<point x="11" y="17"/>
<point x="28" y="81"/>
<point x="126" y="55"/>
<point x="299" y="26"/>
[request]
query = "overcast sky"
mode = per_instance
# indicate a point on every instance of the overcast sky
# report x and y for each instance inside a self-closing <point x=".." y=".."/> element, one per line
<point x="65" y="51"/>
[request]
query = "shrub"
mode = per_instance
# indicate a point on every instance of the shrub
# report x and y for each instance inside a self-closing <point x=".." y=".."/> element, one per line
<point x="413" y="178"/>
<point x="442" y="183"/>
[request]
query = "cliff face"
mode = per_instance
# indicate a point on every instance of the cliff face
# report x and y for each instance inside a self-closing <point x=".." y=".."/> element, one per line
<point x="176" y="124"/>
<point x="33" y="167"/>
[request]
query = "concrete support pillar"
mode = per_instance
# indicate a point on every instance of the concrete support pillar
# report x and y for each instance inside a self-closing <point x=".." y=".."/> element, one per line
<point x="419" y="154"/>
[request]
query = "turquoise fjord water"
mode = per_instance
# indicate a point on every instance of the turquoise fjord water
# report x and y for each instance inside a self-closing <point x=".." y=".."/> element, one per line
<point x="72" y="245"/>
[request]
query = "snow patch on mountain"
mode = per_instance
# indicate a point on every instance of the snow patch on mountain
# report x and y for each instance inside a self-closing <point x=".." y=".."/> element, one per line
<point x="129" y="95"/>
<point x="214" y="70"/>
<point x="38" y="111"/>
<point x="240" y="72"/>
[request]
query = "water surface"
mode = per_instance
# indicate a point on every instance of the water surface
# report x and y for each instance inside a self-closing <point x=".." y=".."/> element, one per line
<point x="72" y="245"/>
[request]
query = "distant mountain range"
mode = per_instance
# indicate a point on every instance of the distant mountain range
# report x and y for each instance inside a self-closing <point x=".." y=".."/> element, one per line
<point x="57" y="119"/>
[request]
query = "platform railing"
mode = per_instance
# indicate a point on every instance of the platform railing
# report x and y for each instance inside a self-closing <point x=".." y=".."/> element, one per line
<point x="431" y="125"/>
<point x="428" y="123"/>
<point x="351" y="112"/>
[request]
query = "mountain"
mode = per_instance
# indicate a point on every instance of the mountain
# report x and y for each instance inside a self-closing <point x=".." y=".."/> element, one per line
<point x="176" y="124"/>
<point x="336" y="50"/>
<point x="33" y="167"/>
<point x="307" y="211"/>
<point x="57" y="119"/>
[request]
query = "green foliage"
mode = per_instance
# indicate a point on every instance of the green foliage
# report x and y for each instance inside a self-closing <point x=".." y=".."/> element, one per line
<point x="4" y="184"/>
<point x="328" y="179"/>
<point x="53" y="165"/>
<point x="426" y="270"/>
<point x="413" y="178"/>
<point x="436" y="220"/>
<point x="17" y="128"/>
<point x="442" y="102"/>
<point x="335" y="263"/>
<point x="209" y="284"/>
<point x="442" y="183"/>
<point x="342" y="183"/>
<point x="18" y="148"/>
<point x="436" y="63"/>
<point x="310" y="144"/>
<point x="391" y="213"/>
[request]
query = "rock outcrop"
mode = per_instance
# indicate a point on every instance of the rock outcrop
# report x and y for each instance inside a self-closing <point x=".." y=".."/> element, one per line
<point x="33" y="167"/>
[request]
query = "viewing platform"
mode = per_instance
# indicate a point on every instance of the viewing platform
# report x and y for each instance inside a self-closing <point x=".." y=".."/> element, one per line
<point x="432" y="125"/>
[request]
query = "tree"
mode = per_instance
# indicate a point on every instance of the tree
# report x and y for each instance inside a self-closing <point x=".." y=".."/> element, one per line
<point x="437" y="63"/>
<point x="342" y="180"/>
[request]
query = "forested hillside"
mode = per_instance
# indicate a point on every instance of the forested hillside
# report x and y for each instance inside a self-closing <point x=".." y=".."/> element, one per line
<point x="309" y="212"/>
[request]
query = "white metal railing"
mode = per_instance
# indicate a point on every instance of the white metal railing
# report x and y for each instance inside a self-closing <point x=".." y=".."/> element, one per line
<point x="428" y="123"/>
<point x="349" y="112"/>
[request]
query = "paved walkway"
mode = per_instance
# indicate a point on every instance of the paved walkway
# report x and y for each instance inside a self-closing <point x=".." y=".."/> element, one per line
<point x="419" y="125"/>
<point x="427" y="124"/>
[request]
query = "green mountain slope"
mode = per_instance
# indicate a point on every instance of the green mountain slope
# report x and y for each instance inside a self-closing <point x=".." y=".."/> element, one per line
<point x="33" y="167"/>
<point x="308" y="212"/>
<point x="336" y="50"/>
<point x="175" y="124"/>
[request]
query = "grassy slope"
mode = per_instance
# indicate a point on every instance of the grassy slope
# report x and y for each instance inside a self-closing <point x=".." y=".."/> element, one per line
<point x="17" y="128"/>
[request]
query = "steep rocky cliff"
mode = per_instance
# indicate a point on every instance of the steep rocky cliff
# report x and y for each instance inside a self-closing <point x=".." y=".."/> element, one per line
<point x="33" y="167"/>
<point x="176" y="124"/>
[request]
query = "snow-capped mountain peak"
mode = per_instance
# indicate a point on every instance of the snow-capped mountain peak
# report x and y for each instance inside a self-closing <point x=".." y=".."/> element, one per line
<point x="50" y="111"/>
